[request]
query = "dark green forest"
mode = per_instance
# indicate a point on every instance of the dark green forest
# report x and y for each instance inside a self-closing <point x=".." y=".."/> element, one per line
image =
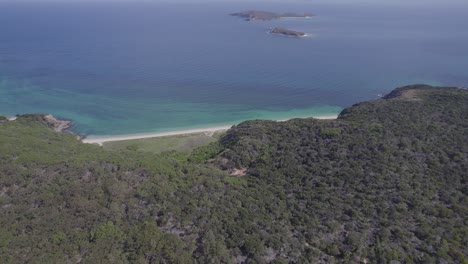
<point x="384" y="183"/>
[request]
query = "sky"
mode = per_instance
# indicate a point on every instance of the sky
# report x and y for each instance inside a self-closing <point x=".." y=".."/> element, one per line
<point x="422" y="3"/>
<point x="426" y="2"/>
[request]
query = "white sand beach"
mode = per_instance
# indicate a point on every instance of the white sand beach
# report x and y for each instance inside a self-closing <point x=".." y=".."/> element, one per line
<point x="102" y="139"/>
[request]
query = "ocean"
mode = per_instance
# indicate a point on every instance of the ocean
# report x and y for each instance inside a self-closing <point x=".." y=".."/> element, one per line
<point x="137" y="67"/>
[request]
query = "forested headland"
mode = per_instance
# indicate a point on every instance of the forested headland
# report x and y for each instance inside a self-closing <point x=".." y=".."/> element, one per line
<point x="386" y="182"/>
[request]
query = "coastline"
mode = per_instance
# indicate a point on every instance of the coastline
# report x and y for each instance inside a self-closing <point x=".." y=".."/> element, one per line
<point x="103" y="139"/>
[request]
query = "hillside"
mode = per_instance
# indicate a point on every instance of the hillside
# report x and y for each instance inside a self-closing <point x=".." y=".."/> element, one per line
<point x="384" y="182"/>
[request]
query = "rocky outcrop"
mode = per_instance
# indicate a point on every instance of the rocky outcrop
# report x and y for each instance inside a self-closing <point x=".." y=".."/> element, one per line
<point x="287" y="32"/>
<point x="57" y="124"/>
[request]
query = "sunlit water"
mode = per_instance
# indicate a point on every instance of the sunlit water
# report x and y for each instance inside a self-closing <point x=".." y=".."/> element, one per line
<point x="134" y="68"/>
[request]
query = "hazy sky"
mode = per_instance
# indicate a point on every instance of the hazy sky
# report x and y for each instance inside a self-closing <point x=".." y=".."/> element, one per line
<point x="425" y="3"/>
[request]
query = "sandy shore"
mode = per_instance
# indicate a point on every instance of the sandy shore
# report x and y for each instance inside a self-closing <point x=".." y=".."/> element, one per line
<point x="102" y="139"/>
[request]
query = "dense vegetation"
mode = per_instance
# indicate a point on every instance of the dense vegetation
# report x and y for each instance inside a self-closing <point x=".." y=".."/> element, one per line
<point x="385" y="182"/>
<point x="180" y="143"/>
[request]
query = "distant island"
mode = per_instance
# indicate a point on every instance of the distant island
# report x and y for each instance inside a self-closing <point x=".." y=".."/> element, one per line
<point x="252" y="15"/>
<point x="287" y="32"/>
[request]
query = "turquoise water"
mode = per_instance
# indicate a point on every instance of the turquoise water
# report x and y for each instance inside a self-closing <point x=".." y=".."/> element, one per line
<point x="125" y="68"/>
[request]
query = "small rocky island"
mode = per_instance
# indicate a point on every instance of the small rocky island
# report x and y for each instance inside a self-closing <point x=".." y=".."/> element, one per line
<point x="287" y="32"/>
<point x="253" y="15"/>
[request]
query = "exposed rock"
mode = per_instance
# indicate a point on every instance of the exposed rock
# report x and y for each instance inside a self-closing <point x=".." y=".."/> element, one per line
<point x="238" y="172"/>
<point x="57" y="124"/>
<point x="287" y="32"/>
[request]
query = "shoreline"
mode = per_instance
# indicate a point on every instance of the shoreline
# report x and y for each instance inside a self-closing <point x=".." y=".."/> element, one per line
<point x="103" y="139"/>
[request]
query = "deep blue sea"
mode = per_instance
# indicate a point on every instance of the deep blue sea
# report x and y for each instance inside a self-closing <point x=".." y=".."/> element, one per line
<point x="121" y="68"/>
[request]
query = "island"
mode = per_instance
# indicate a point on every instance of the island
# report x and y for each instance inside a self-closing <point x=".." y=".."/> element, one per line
<point x="252" y="15"/>
<point x="287" y="32"/>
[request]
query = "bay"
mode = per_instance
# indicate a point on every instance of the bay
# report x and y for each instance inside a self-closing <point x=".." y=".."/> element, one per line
<point x="137" y="67"/>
